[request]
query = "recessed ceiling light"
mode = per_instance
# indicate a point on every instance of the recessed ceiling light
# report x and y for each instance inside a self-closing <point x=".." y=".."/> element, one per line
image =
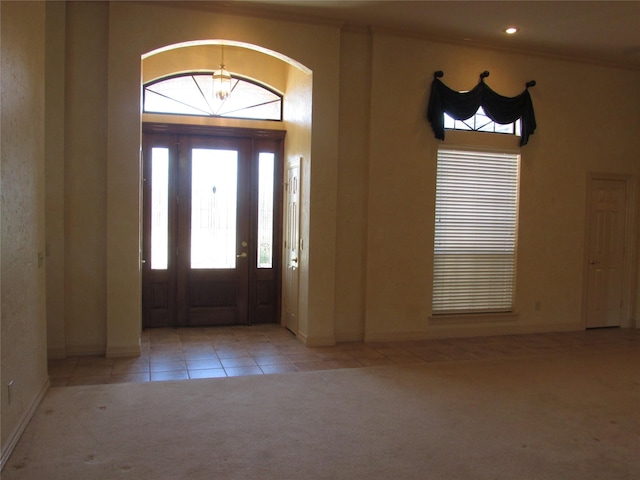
<point x="511" y="30"/>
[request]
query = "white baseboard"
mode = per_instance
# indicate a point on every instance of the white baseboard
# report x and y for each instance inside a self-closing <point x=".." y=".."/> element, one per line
<point x="348" y="337"/>
<point x="123" y="352"/>
<point x="17" y="432"/>
<point x="56" y="353"/>
<point x="85" y="350"/>
<point x="461" y="330"/>
<point x="394" y="336"/>
<point x="313" y="341"/>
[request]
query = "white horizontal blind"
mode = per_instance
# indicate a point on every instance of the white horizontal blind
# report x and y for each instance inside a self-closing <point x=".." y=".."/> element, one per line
<point x="475" y="232"/>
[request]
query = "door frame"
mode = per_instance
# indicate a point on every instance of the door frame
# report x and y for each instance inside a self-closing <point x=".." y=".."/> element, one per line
<point x="254" y="135"/>
<point x="287" y="298"/>
<point x="630" y="273"/>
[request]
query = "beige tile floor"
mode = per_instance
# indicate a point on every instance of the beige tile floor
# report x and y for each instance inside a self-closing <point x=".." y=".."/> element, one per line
<point x="181" y="354"/>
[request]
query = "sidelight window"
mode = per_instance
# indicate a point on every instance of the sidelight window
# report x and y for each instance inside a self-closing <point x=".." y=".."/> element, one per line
<point x="265" y="209"/>
<point x="159" y="208"/>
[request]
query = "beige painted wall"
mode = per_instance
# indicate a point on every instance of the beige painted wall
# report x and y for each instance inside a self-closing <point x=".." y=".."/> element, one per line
<point x="136" y="29"/>
<point x="22" y="269"/>
<point x="585" y="118"/>
<point x="55" y="62"/>
<point x="297" y="112"/>
<point x="85" y="171"/>
<point x="238" y="60"/>
<point x="368" y="164"/>
<point x="351" y="253"/>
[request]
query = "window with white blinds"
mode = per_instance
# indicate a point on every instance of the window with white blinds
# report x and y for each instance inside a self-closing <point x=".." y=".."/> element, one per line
<point x="475" y="232"/>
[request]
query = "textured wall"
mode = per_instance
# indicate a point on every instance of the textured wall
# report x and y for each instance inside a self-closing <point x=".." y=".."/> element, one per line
<point x="22" y="187"/>
<point x="54" y="168"/>
<point x="85" y="174"/>
<point x="355" y="107"/>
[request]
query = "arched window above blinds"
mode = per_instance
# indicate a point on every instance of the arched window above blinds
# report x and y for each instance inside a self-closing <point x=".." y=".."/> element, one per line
<point x="192" y="94"/>
<point x="464" y="105"/>
<point x="480" y="122"/>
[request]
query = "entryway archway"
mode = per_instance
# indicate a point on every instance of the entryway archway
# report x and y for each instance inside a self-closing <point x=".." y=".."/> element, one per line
<point x="247" y="293"/>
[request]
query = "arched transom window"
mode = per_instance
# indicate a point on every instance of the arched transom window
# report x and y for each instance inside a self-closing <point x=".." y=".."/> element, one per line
<point x="192" y="94"/>
<point x="480" y="122"/>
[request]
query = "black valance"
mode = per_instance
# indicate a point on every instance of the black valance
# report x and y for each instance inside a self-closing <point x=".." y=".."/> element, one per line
<point x="461" y="106"/>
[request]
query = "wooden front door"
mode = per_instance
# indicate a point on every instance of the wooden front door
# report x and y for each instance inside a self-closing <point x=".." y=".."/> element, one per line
<point x="212" y="223"/>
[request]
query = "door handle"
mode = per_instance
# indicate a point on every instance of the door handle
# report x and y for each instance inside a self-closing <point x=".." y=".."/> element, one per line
<point x="242" y="255"/>
<point x="593" y="262"/>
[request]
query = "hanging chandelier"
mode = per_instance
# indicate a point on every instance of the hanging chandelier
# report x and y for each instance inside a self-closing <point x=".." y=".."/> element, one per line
<point x="221" y="79"/>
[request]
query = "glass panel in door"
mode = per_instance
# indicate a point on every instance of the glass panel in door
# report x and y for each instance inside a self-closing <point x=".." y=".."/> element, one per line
<point x="214" y="180"/>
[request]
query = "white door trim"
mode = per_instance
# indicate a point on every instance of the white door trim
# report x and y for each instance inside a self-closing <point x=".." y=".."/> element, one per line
<point x="630" y="248"/>
<point x="291" y="296"/>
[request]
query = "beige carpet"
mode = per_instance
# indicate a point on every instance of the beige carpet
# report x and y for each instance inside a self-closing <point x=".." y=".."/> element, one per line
<point x="566" y="416"/>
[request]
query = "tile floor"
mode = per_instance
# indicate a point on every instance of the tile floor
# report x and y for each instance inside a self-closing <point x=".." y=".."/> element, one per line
<point x="181" y="354"/>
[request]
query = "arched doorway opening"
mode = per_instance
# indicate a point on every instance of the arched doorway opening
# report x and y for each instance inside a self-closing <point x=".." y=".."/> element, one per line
<point x="295" y="82"/>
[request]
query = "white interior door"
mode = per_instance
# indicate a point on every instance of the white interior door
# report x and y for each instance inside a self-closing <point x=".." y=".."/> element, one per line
<point x="292" y="247"/>
<point x="607" y="229"/>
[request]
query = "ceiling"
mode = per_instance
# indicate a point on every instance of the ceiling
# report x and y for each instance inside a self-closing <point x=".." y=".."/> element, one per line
<point x="596" y="31"/>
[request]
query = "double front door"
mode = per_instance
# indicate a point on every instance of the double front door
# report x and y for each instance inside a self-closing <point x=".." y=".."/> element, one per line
<point x="212" y="226"/>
